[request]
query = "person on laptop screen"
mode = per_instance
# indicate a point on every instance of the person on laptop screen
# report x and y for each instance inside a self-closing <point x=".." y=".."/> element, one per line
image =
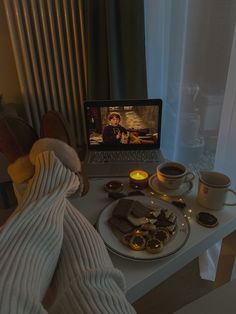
<point x="114" y="133"/>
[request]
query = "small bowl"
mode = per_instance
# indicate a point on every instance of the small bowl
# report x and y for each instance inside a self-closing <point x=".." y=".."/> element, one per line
<point x="114" y="186"/>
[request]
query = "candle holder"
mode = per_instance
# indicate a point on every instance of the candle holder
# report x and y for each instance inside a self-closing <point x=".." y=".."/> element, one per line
<point x="138" y="179"/>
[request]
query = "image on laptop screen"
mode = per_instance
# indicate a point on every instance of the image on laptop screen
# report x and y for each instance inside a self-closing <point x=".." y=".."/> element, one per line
<point x="123" y="124"/>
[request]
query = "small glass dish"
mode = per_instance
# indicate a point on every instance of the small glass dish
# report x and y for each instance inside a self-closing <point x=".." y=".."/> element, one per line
<point x="114" y="186"/>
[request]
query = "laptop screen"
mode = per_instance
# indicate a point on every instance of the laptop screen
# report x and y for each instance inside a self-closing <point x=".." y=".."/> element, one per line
<point x="123" y="124"/>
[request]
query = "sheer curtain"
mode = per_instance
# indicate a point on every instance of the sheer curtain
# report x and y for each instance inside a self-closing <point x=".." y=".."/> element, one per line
<point x="226" y="148"/>
<point x="191" y="64"/>
<point x="188" y="48"/>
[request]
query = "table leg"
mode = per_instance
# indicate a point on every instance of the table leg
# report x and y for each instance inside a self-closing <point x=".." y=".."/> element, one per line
<point x="226" y="261"/>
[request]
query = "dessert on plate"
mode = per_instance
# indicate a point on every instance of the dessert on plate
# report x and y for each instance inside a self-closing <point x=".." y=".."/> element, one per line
<point x="142" y="228"/>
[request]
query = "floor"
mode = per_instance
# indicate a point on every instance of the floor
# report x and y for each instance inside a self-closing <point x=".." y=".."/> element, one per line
<point x="186" y="285"/>
<point x="180" y="289"/>
<point x="183" y="287"/>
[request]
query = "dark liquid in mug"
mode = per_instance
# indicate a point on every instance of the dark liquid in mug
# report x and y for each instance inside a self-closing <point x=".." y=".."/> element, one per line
<point x="171" y="171"/>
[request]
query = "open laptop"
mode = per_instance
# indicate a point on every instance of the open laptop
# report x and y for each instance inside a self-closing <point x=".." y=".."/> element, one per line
<point x="123" y="135"/>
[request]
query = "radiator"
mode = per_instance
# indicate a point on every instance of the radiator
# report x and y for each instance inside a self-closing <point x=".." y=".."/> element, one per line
<point x="49" y="49"/>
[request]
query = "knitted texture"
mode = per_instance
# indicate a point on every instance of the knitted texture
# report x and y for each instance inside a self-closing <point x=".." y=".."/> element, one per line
<point x="30" y="241"/>
<point x="63" y="151"/>
<point x="44" y="228"/>
<point x="85" y="278"/>
<point x="22" y="169"/>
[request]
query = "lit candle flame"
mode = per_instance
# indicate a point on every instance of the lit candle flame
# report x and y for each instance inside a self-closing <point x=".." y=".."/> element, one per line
<point x="138" y="175"/>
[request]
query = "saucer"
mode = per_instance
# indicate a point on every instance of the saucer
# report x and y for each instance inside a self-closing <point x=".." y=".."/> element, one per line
<point x="156" y="186"/>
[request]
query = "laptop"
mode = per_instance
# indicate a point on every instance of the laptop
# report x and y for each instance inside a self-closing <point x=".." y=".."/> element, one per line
<point x="123" y="135"/>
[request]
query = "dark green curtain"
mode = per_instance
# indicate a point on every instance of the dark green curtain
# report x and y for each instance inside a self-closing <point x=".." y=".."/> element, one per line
<point x="115" y="45"/>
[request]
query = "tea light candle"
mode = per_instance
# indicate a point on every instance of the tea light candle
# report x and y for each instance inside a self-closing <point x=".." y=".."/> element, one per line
<point x="138" y="179"/>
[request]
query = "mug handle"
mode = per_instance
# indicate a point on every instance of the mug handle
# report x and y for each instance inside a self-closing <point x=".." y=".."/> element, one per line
<point x="231" y="204"/>
<point x="190" y="176"/>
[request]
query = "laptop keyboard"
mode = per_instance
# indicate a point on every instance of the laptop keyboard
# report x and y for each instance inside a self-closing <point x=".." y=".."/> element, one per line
<point x="125" y="156"/>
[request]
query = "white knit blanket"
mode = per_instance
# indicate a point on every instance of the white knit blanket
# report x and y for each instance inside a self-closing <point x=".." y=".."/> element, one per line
<point x="47" y="236"/>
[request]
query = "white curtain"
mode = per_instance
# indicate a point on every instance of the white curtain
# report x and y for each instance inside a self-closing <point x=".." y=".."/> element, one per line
<point x="225" y="156"/>
<point x="191" y="65"/>
<point x="225" y="160"/>
<point x="188" y="48"/>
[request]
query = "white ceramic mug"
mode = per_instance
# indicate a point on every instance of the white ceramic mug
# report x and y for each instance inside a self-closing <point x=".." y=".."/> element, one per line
<point x="212" y="190"/>
<point x="173" y="174"/>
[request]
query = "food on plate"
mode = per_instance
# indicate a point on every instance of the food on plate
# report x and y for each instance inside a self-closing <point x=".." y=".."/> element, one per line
<point x="154" y="245"/>
<point x="137" y="242"/>
<point x="122" y="225"/>
<point x="162" y="235"/>
<point x="143" y="228"/>
<point x="123" y="208"/>
<point x="125" y="239"/>
<point x="171" y="229"/>
<point x="137" y="221"/>
<point x="139" y="210"/>
<point x="126" y="207"/>
<point x="148" y="226"/>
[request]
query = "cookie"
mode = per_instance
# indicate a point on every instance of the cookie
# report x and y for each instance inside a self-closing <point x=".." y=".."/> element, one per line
<point x="123" y="208"/>
<point x="161" y="235"/>
<point x="148" y="227"/>
<point x="125" y="239"/>
<point x="171" y="229"/>
<point x="139" y="210"/>
<point x="121" y="224"/>
<point x="153" y="245"/>
<point x="137" y="242"/>
<point x="207" y="220"/>
<point x="137" y="221"/>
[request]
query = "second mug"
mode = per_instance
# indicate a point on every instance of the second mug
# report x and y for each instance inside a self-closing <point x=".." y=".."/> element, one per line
<point x="173" y="174"/>
<point x="213" y="188"/>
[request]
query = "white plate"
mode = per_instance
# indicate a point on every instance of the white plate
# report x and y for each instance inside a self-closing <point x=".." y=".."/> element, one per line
<point x="113" y="243"/>
<point x="156" y="186"/>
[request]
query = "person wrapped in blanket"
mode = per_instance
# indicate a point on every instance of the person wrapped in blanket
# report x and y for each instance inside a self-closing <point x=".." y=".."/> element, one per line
<point x="46" y="242"/>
